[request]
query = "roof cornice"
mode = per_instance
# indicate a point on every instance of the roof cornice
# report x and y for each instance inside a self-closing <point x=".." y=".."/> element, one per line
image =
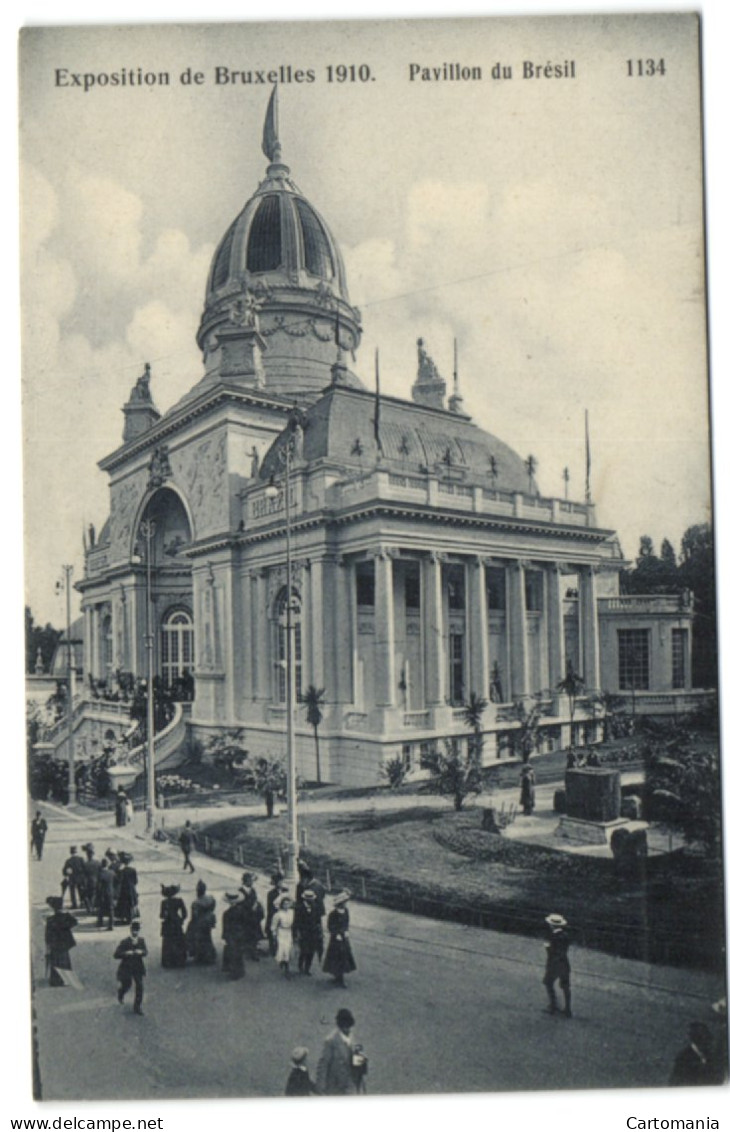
<point x="208" y="400"/>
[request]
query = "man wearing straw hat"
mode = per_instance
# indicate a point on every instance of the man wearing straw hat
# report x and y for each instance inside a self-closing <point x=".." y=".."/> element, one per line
<point x="557" y="965"/>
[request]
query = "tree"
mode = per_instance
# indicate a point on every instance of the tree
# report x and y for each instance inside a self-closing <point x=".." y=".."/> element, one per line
<point x="38" y="638"/>
<point x="473" y="712"/>
<point x="269" y="781"/>
<point x="313" y="700"/>
<point x="683" y="792"/>
<point x="454" y="774"/>
<point x="529" y="721"/>
<point x="395" y="771"/>
<point x="667" y="554"/>
<point x="228" y="753"/>
<point x="697" y="574"/>
<point x="571" y="686"/>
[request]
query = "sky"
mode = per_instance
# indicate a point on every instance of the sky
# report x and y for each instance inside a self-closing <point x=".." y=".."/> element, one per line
<point x="553" y="227"/>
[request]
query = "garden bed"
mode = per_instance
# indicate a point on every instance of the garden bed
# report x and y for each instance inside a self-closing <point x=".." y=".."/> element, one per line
<point x="441" y="864"/>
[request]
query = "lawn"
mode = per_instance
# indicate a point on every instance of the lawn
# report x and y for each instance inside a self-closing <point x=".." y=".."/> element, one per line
<point x="440" y="863"/>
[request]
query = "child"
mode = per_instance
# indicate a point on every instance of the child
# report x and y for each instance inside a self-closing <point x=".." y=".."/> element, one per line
<point x="299" y="1083"/>
<point x="281" y="929"/>
<point x="359" y="1067"/>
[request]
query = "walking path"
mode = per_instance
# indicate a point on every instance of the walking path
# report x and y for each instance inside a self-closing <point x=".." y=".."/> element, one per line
<point x="441" y="1007"/>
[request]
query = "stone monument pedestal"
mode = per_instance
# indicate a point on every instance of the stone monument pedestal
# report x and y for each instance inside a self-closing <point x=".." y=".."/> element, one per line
<point x="582" y="832"/>
<point x="593" y="806"/>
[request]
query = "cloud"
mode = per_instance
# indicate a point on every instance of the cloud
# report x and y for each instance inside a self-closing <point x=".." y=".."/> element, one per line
<point x="94" y="309"/>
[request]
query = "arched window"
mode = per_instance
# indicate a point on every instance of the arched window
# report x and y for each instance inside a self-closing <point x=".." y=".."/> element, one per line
<point x="177" y="646"/>
<point x="280" y="646"/>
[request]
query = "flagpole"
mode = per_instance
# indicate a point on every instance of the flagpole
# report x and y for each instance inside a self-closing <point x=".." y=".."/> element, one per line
<point x="588" y="461"/>
<point x="376" y="419"/>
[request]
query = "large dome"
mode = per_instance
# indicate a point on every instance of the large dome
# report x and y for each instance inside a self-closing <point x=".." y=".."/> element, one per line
<point x="280" y="259"/>
<point x="280" y="237"/>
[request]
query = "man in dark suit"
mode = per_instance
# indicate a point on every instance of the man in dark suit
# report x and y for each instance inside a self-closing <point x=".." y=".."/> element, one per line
<point x="131" y="955"/>
<point x="335" y="1076"/>
<point x="73" y="877"/>
<point x="38" y="831"/>
<point x="105" y="895"/>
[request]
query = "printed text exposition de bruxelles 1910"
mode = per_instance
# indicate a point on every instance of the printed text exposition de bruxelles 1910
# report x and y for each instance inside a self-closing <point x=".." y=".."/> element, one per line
<point x="332" y="73"/>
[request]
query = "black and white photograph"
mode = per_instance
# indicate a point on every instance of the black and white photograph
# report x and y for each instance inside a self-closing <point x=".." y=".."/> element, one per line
<point x="372" y="713"/>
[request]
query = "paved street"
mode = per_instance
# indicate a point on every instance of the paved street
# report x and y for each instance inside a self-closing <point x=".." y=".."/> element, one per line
<point x="439" y="1007"/>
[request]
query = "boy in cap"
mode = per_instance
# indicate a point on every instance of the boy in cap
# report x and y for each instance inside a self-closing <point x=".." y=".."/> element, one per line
<point x="557" y="965"/>
<point x="299" y="1083"/>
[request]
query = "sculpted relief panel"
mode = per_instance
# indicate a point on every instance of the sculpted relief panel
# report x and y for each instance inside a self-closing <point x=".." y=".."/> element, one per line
<point x="126" y="497"/>
<point x="200" y="471"/>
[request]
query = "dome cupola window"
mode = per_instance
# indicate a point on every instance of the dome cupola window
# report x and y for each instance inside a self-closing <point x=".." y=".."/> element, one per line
<point x="222" y="265"/>
<point x="264" y="239"/>
<point x="317" y="252"/>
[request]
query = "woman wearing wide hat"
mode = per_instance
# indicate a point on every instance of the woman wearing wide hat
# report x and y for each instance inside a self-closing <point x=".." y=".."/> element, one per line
<point x="202" y="921"/>
<point x="126" y="909"/>
<point x="173" y="915"/>
<point x="338" y="959"/>
<point x="59" y="940"/>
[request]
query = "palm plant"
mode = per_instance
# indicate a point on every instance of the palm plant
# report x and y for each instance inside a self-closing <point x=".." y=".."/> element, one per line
<point x="313" y="700"/>
<point x="473" y="711"/>
<point x="571" y="686"/>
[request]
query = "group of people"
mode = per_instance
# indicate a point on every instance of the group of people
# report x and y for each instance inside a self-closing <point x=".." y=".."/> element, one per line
<point x="292" y="925"/>
<point x="106" y="888"/>
<point x="341" y="1069"/>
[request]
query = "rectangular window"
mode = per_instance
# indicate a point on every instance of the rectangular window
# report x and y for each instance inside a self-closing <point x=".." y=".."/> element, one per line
<point x="455" y="589"/>
<point x="412" y="586"/>
<point x="427" y="755"/>
<point x="633" y="660"/>
<point x="456" y="667"/>
<point x="533" y="591"/>
<point x="496" y="588"/>
<point x="679" y="654"/>
<point x="365" y="581"/>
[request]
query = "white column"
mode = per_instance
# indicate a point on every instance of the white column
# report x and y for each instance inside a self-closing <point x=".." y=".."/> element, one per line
<point x="517" y="617"/>
<point x="384" y="631"/>
<point x="478" y="630"/>
<point x="246" y="642"/>
<point x="259" y="625"/>
<point x="433" y="613"/>
<point x="589" y="629"/>
<point x="555" y="628"/>
<point x="315" y="629"/>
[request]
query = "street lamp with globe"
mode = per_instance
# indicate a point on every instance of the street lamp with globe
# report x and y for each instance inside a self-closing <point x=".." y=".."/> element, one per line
<point x="273" y="491"/>
<point x="147" y="530"/>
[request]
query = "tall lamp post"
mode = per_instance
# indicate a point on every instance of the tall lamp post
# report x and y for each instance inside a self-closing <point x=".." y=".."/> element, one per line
<point x="147" y="530"/>
<point x="70" y="668"/>
<point x="272" y="492"/>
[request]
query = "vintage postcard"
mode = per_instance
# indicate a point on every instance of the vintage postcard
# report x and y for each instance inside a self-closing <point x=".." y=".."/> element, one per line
<point x="371" y="645"/>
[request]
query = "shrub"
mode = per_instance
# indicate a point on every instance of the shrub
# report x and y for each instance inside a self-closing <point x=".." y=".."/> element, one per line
<point x="395" y="771"/>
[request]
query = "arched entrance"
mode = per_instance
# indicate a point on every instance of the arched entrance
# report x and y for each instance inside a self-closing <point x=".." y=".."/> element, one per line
<point x="163" y="532"/>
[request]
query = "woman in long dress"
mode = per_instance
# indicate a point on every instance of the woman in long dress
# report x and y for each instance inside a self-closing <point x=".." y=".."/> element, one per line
<point x="59" y="940"/>
<point x="282" y="925"/>
<point x="202" y="921"/>
<point x="173" y="915"/>
<point x="338" y="959"/>
<point x="527" y="789"/>
<point x="126" y="909"/>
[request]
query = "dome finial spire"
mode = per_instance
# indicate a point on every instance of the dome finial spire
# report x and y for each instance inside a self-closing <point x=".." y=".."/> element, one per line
<point x="270" y="143"/>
